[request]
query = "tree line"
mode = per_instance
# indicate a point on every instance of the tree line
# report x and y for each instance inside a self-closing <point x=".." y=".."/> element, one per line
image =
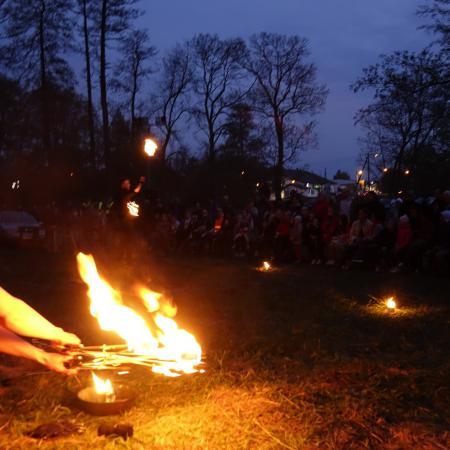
<point x="407" y="125"/>
<point x="253" y="100"/>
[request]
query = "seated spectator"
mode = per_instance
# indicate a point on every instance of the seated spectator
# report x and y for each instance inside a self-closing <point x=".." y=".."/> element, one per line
<point x="338" y="243"/>
<point x="361" y="234"/>
<point x="283" y="249"/>
<point x="314" y="240"/>
<point x="404" y="236"/>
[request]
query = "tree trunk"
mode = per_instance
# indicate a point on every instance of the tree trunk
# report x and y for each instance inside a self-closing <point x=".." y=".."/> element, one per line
<point x="165" y="144"/>
<point x="103" y="92"/>
<point x="212" y="162"/>
<point x="90" y="109"/>
<point x="44" y="86"/>
<point x="279" y="167"/>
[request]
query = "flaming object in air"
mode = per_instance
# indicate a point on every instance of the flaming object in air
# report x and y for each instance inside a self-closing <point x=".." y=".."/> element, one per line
<point x="150" y="147"/>
<point x="133" y="209"/>
<point x="156" y="341"/>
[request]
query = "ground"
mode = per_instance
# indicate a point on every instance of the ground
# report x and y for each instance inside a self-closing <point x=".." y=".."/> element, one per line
<point x="301" y="357"/>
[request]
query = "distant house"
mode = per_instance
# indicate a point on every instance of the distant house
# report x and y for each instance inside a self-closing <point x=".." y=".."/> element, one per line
<point x="304" y="182"/>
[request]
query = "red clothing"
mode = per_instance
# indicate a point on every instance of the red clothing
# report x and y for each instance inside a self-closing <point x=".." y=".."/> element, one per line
<point x="320" y="209"/>
<point x="283" y="227"/>
<point x="329" y="226"/>
<point x="404" y="236"/>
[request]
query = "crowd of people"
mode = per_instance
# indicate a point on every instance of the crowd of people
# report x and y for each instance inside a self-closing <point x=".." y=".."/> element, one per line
<point x="345" y="230"/>
<point x="342" y="230"/>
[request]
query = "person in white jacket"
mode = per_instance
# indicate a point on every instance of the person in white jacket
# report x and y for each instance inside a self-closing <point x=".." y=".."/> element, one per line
<point x="19" y="319"/>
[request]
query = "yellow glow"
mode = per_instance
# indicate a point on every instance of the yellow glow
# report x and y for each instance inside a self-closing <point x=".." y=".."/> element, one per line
<point x="133" y="209"/>
<point x="159" y="338"/>
<point x="390" y="303"/>
<point x="266" y="265"/>
<point x="406" y="172"/>
<point x="293" y="181"/>
<point x="150" y="147"/>
<point x="385" y="169"/>
<point x="102" y="387"/>
<point x="360" y="172"/>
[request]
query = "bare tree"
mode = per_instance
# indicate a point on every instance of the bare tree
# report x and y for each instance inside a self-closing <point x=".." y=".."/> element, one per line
<point x="410" y="111"/>
<point x="112" y="19"/>
<point x="85" y="7"/>
<point x="171" y="94"/>
<point x="217" y="80"/>
<point x="439" y="14"/>
<point x="37" y="33"/>
<point x="133" y="68"/>
<point x="285" y="89"/>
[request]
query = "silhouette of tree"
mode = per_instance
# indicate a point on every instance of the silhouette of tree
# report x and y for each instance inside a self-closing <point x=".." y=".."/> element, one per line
<point x="285" y="90"/>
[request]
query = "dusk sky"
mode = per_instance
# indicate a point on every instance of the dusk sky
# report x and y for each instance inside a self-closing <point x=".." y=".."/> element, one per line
<point x="344" y="35"/>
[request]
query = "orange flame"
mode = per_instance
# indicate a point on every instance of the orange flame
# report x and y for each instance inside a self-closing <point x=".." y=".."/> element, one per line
<point x="390" y="303"/>
<point x="133" y="209"/>
<point x="150" y="147"/>
<point x="266" y="265"/>
<point x="177" y="350"/>
<point x="102" y="387"/>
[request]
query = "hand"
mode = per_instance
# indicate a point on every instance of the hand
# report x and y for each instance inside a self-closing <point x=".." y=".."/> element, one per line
<point x="64" y="338"/>
<point x="55" y="361"/>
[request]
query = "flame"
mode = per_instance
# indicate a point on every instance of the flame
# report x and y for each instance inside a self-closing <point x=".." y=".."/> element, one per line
<point x="133" y="209"/>
<point x="102" y="387"/>
<point x="150" y="147"/>
<point x="162" y="339"/>
<point x="390" y="303"/>
<point x="266" y="265"/>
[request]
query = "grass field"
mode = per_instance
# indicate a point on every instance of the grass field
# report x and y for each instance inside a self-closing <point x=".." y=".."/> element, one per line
<point x="301" y="357"/>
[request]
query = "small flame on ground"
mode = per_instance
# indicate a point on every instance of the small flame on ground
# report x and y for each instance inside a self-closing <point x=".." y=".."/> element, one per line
<point x="161" y="338"/>
<point x="102" y="387"/>
<point x="133" y="209"/>
<point x="266" y="265"/>
<point x="390" y="303"/>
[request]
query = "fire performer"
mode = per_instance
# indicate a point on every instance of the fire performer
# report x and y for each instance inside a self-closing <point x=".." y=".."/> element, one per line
<point x="18" y="317"/>
<point x="127" y="195"/>
<point x="125" y="213"/>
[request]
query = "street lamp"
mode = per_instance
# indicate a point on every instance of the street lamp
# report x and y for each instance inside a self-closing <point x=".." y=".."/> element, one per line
<point x="407" y="172"/>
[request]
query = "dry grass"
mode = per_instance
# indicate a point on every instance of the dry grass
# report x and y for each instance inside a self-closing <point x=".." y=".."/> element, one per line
<point x="303" y="358"/>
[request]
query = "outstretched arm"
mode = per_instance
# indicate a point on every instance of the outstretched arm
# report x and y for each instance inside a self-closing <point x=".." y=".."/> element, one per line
<point x="17" y="316"/>
<point x="14" y="345"/>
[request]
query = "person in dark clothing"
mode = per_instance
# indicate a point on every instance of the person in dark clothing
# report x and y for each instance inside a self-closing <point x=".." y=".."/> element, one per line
<point x="125" y="213"/>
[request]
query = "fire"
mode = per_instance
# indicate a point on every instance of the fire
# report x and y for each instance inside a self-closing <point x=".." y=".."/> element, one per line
<point x="133" y="209"/>
<point x="390" y="303"/>
<point x="176" y="349"/>
<point x="150" y="147"/>
<point x="102" y="387"/>
<point x="266" y="265"/>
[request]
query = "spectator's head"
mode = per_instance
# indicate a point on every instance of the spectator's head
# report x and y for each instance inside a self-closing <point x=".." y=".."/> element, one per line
<point x="403" y="221"/>
<point x="125" y="184"/>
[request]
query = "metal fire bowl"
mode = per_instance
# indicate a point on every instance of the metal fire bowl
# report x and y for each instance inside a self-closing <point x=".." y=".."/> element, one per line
<point x="125" y="399"/>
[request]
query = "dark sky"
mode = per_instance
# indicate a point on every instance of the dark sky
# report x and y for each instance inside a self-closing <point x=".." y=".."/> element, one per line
<point x="344" y="35"/>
